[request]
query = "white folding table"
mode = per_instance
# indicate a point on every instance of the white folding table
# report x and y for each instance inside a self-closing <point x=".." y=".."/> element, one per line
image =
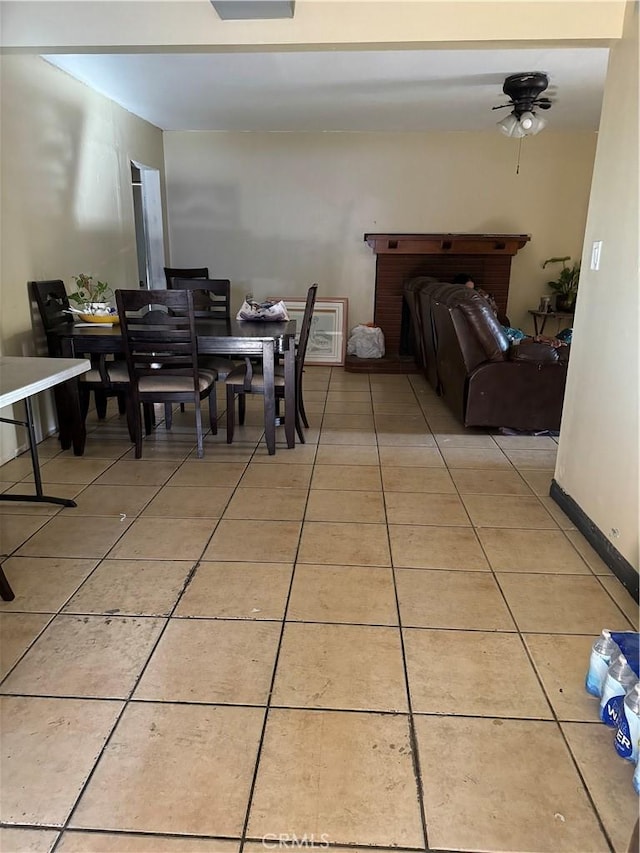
<point x="20" y="378"/>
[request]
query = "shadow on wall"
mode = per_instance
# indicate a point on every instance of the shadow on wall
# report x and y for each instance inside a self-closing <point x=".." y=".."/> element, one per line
<point x="207" y="228"/>
<point x="70" y="188"/>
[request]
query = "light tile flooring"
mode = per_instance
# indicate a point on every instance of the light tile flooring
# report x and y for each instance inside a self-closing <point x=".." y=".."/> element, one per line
<point x="376" y="639"/>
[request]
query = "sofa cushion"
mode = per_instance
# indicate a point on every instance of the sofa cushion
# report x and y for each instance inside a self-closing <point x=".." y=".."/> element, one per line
<point x="485" y="327"/>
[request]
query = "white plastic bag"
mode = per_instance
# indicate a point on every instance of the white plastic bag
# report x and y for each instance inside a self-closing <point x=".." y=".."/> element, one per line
<point x="366" y="342"/>
<point x="266" y="312"/>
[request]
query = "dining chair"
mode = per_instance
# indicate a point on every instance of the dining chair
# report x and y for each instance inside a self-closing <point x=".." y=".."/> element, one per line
<point x="211" y="301"/>
<point x="184" y="272"/>
<point x="106" y="378"/>
<point x="161" y="349"/>
<point x="247" y="379"/>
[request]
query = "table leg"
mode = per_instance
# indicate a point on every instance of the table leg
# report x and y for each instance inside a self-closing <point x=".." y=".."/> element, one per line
<point x="6" y="593"/>
<point x="39" y="496"/>
<point x="542" y="325"/>
<point x="269" y="396"/>
<point x="71" y="424"/>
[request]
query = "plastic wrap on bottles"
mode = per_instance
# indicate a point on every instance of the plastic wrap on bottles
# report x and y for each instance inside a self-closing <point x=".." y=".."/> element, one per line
<point x="366" y="342"/>
<point x="628" y="732"/>
<point x="602" y="653"/>
<point x="629" y="644"/>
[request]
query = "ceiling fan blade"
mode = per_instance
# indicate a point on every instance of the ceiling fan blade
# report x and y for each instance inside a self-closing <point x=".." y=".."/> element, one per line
<point x="502" y="106"/>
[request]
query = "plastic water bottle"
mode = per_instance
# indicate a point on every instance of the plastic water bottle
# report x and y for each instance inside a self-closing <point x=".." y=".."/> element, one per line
<point x="628" y="733"/>
<point x="636" y="779"/>
<point x="619" y="680"/>
<point x="602" y="652"/>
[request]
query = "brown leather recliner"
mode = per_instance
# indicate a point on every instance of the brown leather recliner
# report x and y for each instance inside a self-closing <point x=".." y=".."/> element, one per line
<point x="484" y="379"/>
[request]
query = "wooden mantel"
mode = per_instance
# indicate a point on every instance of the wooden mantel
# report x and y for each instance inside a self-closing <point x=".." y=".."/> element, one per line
<point x="401" y="257"/>
<point x="446" y="244"/>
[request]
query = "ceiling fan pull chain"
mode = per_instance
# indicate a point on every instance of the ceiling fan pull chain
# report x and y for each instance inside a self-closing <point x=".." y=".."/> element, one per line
<point x="519" y="151"/>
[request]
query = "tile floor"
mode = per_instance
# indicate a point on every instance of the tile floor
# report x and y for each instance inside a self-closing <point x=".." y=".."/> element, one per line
<point x="376" y="639"/>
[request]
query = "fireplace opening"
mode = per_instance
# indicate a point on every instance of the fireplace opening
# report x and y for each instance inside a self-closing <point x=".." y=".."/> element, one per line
<point x="406" y="346"/>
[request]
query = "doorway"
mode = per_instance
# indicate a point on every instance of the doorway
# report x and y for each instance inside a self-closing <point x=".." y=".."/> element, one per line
<point x="147" y="211"/>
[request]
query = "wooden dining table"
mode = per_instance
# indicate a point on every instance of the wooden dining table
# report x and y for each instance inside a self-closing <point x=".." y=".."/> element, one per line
<point x="232" y="338"/>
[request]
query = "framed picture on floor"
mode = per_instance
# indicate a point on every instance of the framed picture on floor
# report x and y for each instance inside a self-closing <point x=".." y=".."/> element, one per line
<point x="328" y="335"/>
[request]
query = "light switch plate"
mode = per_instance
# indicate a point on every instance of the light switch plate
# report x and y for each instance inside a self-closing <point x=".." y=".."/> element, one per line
<point x="596" y="250"/>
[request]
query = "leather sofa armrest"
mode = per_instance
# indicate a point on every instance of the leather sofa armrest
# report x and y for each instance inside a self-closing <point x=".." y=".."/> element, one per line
<point x="538" y="352"/>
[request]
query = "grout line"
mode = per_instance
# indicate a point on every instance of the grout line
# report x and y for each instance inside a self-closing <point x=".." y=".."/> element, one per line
<point x="413" y="739"/>
<point x="274" y="671"/>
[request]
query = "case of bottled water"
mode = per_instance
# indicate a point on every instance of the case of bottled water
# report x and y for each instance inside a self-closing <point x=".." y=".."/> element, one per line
<point x="613" y="675"/>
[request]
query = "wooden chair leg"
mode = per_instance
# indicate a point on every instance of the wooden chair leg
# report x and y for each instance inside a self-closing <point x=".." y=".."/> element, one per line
<point x="199" y="430"/>
<point x="213" y="410"/>
<point x="300" y="408"/>
<point x="136" y="421"/>
<point x="242" y="408"/>
<point x="101" y="404"/>
<point x="122" y="403"/>
<point x="299" y="429"/>
<point x="131" y="424"/>
<point x="231" y="415"/>
<point x="149" y="418"/>
<point x="168" y="415"/>
<point x="269" y="427"/>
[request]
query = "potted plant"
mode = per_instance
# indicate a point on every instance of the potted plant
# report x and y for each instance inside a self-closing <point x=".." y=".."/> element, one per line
<point x="566" y="285"/>
<point x="91" y="296"/>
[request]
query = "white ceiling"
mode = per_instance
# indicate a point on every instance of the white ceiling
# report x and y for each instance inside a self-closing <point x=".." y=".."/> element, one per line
<point x="396" y="90"/>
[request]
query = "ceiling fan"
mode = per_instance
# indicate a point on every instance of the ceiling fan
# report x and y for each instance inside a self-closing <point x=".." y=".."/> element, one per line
<point x="524" y="91"/>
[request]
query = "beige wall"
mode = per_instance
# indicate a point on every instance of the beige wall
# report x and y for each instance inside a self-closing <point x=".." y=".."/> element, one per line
<point x="598" y="455"/>
<point x="276" y="211"/>
<point x="66" y="192"/>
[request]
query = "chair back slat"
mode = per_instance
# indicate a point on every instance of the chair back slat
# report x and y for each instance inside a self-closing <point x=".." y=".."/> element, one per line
<point x="211" y="296"/>
<point x="171" y="273"/>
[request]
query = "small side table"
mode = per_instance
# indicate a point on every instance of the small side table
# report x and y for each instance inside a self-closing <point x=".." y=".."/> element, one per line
<point x="543" y="316"/>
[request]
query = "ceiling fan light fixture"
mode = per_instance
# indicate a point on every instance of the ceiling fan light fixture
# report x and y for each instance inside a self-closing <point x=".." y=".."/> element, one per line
<point x="527" y="121"/>
<point x="510" y="126"/>
<point x="524" y="91"/>
<point x="531" y="123"/>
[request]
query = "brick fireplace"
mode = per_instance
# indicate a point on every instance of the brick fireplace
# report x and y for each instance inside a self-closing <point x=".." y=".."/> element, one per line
<point x="401" y="257"/>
